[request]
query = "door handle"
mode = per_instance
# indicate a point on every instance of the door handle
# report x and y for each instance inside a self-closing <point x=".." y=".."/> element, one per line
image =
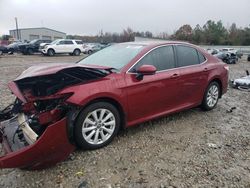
<point x="205" y="69"/>
<point x="175" y="75"/>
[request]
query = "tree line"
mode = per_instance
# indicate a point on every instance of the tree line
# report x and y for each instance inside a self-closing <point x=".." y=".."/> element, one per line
<point x="211" y="33"/>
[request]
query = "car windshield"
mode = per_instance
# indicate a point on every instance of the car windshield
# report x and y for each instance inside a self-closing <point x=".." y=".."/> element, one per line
<point x="55" y="41"/>
<point x="116" y="56"/>
<point x="33" y="41"/>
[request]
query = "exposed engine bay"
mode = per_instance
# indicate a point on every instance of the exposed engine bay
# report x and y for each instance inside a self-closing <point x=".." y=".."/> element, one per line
<point x="43" y="106"/>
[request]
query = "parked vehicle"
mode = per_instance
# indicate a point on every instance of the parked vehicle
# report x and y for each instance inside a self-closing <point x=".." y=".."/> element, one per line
<point x="93" y="47"/>
<point x="213" y="51"/>
<point x="32" y="46"/>
<point x="3" y="49"/>
<point x="62" y="46"/>
<point x="14" y="47"/>
<point x="227" y="57"/>
<point x="62" y="106"/>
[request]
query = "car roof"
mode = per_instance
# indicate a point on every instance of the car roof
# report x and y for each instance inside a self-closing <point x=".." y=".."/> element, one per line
<point x="156" y="43"/>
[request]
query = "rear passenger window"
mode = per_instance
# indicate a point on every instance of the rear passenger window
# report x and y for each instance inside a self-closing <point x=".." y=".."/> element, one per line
<point x="201" y="57"/>
<point x="68" y="42"/>
<point x="187" y="56"/>
<point x="79" y="42"/>
<point x="162" y="58"/>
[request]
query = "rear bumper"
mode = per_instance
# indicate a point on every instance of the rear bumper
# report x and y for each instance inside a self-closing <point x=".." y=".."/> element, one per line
<point x="50" y="148"/>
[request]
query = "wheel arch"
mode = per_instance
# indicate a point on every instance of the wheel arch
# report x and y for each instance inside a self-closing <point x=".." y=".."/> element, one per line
<point x="216" y="79"/>
<point x="113" y="102"/>
<point x="77" y="49"/>
<point x="73" y="115"/>
<point x="50" y="48"/>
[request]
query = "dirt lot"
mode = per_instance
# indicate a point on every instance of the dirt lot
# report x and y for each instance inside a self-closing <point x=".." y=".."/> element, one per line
<point x="188" y="149"/>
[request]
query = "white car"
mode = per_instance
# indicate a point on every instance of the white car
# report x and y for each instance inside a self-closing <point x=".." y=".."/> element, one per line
<point x="91" y="48"/>
<point x="62" y="46"/>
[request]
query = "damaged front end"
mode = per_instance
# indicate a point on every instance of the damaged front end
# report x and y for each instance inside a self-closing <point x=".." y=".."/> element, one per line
<point x="34" y="130"/>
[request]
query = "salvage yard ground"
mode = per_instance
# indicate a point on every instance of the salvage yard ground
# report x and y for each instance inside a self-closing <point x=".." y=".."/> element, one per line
<point x="188" y="149"/>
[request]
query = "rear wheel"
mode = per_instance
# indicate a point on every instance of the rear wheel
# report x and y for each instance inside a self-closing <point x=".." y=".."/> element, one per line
<point x="1" y="52"/>
<point x="97" y="125"/>
<point x="30" y="51"/>
<point x="90" y="52"/>
<point x="51" y="52"/>
<point x="211" y="96"/>
<point x="77" y="52"/>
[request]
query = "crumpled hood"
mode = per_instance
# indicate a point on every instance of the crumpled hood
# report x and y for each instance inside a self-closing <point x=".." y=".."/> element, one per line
<point x="49" y="68"/>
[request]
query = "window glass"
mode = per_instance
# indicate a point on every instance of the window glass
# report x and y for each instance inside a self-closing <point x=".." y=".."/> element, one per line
<point x="201" y="57"/>
<point x="187" y="56"/>
<point x="79" y="42"/>
<point x="162" y="58"/>
<point x="62" y="42"/>
<point x="68" y="42"/>
<point x="115" y="56"/>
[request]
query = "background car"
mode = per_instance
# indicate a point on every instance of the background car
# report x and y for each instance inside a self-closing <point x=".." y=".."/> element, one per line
<point x="3" y="49"/>
<point x="32" y="46"/>
<point x="14" y="47"/>
<point x="93" y="47"/>
<point x="62" y="46"/>
<point x="84" y="105"/>
<point x="213" y="51"/>
<point x="227" y="57"/>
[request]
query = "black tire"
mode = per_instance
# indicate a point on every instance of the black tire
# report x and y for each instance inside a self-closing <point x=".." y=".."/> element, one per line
<point x="90" y="52"/>
<point x="51" y="52"/>
<point x="87" y="114"/>
<point x="206" y="105"/>
<point x="77" y="52"/>
<point x="1" y="52"/>
<point x="30" y="51"/>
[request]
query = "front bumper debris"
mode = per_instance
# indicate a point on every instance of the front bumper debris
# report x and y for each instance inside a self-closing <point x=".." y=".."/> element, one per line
<point x="30" y="151"/>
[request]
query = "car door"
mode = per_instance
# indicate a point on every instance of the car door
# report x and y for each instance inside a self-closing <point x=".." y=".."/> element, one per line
<point x="60" y="47"/>
<point x="154" y="94"/>
<point x="193" y="75"/>
<point x="69" y="46"/>
<point x="36" y="45"/>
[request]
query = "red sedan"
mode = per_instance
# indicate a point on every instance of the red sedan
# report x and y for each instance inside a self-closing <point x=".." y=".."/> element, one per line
<point x="62" y="106"/>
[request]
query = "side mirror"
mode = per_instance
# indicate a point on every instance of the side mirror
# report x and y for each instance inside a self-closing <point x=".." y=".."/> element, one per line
<point x="145" y="70"/>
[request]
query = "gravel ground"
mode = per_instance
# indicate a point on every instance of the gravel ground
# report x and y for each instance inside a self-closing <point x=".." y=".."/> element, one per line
<point x="188" y="149"/>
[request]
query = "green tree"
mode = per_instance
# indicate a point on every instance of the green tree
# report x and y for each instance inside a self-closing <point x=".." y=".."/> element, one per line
<point x="214" y="33"/>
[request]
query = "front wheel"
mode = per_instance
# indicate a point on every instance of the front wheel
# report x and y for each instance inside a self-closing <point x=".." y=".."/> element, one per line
<point x="211" y="96"/>
<point x="51" y="52"/>
<point x="97" y="125"/>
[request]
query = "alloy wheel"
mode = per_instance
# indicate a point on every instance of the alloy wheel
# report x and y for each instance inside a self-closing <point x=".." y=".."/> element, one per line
<point x="98" y="126"/>
<point x="212" y="96"/>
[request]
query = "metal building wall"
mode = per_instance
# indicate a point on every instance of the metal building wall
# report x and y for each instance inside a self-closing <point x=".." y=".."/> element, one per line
<point x="37" y="33"/>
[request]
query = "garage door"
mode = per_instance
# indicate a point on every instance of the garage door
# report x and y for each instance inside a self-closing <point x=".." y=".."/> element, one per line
<point x="46" y="37"/>
<point x="32" y="37"/>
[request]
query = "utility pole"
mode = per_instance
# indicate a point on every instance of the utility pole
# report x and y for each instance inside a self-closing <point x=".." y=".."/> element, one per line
<point x="17" y="31"/>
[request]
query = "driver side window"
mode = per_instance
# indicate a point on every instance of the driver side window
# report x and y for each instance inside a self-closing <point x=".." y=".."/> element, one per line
<point x="61" y="42"/>
<point x="162" y="58"/>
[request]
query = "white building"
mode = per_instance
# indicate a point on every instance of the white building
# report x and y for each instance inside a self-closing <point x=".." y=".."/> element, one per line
<point x="28" y="34"/>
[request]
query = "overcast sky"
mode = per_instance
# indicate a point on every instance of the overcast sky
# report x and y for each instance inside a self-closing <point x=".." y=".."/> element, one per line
<point x="92" y="16"/>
